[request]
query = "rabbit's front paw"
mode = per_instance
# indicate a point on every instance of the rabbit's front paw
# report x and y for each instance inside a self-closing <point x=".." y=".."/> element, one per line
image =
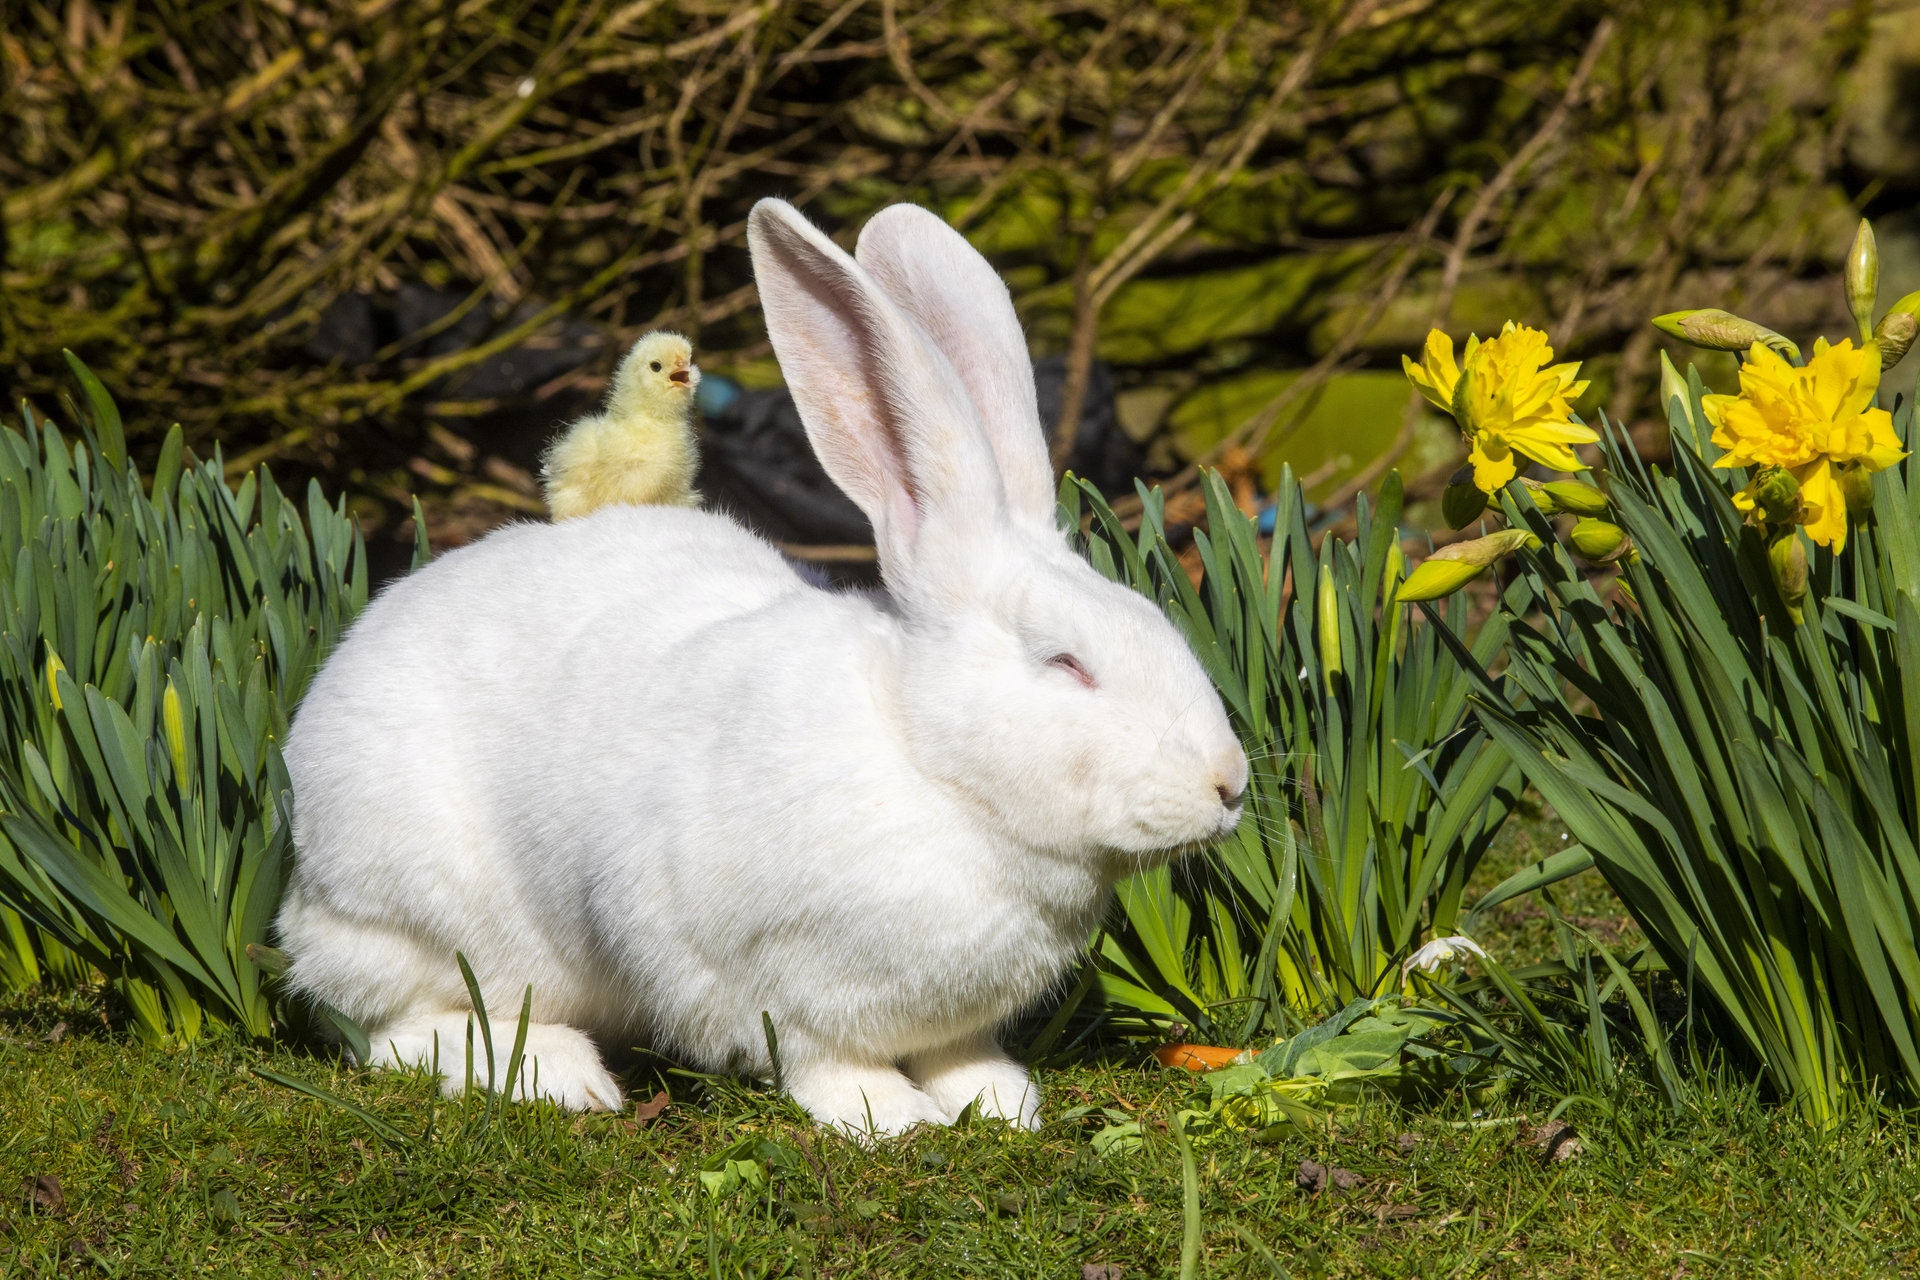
<point x="563" y="1066"/>
<point x="559" y="1063"/>
<point x="862" y="1102"/>
<point x="978" y="1072"/>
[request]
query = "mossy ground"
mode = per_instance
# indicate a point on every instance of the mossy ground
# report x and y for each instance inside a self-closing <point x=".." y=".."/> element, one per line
<point x="187" y="1162"/>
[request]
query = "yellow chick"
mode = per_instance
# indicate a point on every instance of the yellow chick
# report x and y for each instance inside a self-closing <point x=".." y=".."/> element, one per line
<point x="640" y="448"/>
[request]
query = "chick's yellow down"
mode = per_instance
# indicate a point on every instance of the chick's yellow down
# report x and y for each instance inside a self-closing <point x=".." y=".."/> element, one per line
<point x="639" y="449"/>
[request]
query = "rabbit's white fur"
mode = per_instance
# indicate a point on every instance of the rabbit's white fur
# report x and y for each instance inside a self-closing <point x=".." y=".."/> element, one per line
<point x="640" y="763"/>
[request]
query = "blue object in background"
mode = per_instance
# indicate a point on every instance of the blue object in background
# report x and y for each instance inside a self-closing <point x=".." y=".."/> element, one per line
<point x="716" y="395"/>
<point x="1270" y="513"/>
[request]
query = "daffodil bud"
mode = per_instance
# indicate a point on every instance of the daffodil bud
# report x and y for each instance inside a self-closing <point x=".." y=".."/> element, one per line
<point x="1863" y="278"/>
<point x="1453" y="567"/>
<point x="1484" y="551"/>
<point x="1435" y="578"/>
<point x="1581" y="499"/>
<point x="1599" y="541"/>
<point x="1856" y="482"/>
<point x="55" y="669"/>
<point x="1674" y="387"/>
<point x="1462" y="501"/>
<point x="1537" y="493"/>
<point x="1329" y="609"/>
<point x="1396" y="565"/>
<point x="1717" y="330"/>
<point x="173" y="720"/>
<point x="1777" y="495"/>
<point x="1897" y="329"/>
<point x="1789" y="561"/>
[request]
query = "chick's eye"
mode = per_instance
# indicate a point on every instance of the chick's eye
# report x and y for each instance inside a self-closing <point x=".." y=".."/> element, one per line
<point x="1072" y="666"/>
<point x="656" y="366"/>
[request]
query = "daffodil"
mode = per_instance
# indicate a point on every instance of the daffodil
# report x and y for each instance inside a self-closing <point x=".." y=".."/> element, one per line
<point x="1600" y="541"/>
<point x="1454" y="566"/>
<point x="1814" y="423"/>
<point x="1437" y="376"/>
<point x="1508" y="398"/>
<point x="1897" y="330"/>
<point x="1441" y="951"/>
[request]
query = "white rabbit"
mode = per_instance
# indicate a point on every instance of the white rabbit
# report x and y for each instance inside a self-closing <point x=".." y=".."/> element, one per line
<point x="639" y="762"/>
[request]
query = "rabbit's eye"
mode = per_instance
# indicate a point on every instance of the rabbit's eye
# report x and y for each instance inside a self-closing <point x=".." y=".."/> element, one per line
<point x="656" y="366"/>
<point x="1071" y="665"/>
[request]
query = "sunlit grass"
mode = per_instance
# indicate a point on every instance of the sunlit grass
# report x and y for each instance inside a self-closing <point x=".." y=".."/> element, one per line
<point x="180" y="1162"/>
<point x="171" y="1163"/>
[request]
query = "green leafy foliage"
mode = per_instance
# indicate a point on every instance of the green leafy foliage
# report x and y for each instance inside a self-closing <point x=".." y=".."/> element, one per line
<point x="1372" y="797"/>
<point x="153" y="640"/>
<point x="1747" y="785"/>
<point x="1566" y="1028"/>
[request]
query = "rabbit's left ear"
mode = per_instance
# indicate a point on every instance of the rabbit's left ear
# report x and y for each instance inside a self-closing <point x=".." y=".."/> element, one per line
<point x="959" y="301"/>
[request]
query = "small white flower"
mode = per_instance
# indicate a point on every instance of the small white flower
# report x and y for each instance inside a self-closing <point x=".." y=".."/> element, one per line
<point x="525" y="88"/>
<point x="1439" y="952"/>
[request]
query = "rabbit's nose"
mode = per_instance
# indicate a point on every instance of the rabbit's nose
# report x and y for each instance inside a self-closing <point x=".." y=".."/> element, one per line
<point x="1228" y="796"/>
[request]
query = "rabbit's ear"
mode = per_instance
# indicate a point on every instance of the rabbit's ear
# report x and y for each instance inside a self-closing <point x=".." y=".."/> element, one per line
<point x="888" y="417"/>
<point x="960" y="302"/>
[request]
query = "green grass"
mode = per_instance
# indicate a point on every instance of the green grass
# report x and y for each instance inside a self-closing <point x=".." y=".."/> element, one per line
<point x="184" y="1161"/>
<point x="1520" y="930"/>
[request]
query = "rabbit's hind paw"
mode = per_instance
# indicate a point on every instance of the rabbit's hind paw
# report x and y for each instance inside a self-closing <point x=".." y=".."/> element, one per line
<point x="978" y="1073"/>
<point x="863" y="1102"/>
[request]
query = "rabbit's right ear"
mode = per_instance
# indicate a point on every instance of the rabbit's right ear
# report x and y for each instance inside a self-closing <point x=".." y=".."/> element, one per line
<point x="887" y="416"/>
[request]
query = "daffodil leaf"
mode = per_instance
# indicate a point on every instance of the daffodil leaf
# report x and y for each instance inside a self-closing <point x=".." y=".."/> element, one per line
<point x="1552" y="869"/>
<point x="1859" y="613"/>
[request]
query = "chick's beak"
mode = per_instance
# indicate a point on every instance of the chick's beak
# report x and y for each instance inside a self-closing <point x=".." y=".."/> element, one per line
<point x="679" y="375"/>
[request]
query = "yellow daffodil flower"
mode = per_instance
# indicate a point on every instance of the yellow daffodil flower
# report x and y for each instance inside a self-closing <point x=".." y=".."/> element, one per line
<point x="1812" y="422"/>
<point x="1437" y="376"/>
<point x="1508" y="398"/>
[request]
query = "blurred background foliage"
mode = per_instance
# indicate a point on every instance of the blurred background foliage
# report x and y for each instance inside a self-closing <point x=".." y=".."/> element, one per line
<point x="392" y="244"/>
